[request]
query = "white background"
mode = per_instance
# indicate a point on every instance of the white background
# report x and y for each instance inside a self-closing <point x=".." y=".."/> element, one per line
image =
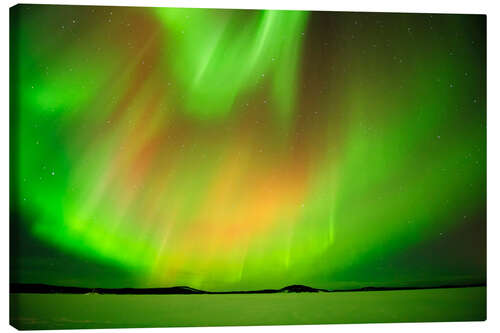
<point x="491" y="8"/>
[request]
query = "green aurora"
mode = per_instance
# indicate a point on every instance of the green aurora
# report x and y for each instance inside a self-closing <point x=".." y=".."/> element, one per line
<point x="242" y="149"/>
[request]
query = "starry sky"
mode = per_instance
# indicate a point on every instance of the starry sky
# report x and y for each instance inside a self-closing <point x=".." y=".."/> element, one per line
<point x="246" y="149"/>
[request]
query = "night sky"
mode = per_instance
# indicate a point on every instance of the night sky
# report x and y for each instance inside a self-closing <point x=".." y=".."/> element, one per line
<point x="243" y="149"/>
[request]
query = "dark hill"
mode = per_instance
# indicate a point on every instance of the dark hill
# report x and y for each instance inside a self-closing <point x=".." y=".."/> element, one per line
<point x="297" y="288"/>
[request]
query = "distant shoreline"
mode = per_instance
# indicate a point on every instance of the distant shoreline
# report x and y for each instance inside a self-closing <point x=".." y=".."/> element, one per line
<point x="26" y="288"/>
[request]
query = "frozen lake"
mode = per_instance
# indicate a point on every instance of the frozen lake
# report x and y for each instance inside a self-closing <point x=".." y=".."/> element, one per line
<point x="65" y="311"/>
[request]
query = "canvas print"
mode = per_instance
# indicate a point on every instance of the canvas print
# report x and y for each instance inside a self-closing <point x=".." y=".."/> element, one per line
<point x="214" y="167"/>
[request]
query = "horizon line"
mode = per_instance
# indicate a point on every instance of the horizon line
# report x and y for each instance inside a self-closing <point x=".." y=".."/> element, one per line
<point x="41" y="288"/>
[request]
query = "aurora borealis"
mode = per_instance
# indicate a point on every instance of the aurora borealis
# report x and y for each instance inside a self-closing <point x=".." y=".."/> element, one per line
<point x="243" y="149"/>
